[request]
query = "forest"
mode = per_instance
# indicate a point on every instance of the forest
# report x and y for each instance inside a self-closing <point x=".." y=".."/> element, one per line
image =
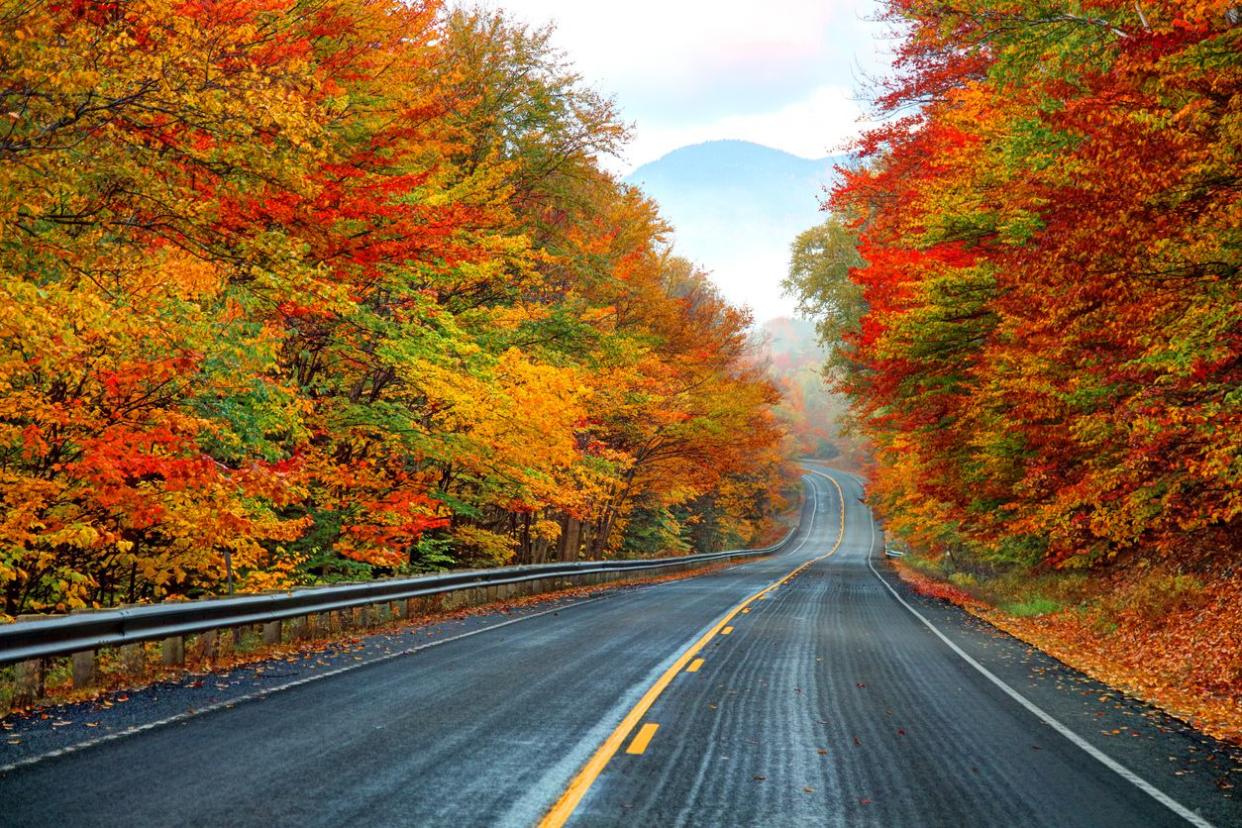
<point x="294" y="291"/>
<point x="1030" y="283"/>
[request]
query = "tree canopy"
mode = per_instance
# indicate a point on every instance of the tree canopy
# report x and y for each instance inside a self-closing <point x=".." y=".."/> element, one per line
<point x="321" y="289"/>
<point x="1049" y="232"/>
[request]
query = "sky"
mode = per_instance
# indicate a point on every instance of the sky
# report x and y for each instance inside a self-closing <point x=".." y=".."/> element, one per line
<point x="789" y="74"/>
<point x="785" y="73"/>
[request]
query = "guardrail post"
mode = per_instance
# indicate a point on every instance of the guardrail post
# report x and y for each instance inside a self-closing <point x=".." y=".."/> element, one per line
<point x="207" y="645"/>
<point x="85" y="668"/>
<point x="133" y="659"/>
<point x="226" y="642"/>
<point x="29" y="677"/>
<point x="172" y="651"/>
<point x="271" y="632"/>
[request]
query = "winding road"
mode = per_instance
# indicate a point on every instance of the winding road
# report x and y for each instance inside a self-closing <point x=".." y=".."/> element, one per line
<point x="807" y="688"/>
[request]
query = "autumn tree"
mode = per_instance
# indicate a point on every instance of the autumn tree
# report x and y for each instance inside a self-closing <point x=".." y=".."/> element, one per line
<point x="323" y="289"/>
<point x="1049" y="231"/>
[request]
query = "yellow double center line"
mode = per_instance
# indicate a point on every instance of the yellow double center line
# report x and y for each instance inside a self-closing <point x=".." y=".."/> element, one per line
<point x="564" y="807"/>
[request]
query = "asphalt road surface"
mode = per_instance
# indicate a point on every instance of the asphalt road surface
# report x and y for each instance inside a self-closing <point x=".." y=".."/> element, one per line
<point x="808" y="688"/>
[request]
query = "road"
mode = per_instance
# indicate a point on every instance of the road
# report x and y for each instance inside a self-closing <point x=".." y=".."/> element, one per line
<point x="801" y="689"/>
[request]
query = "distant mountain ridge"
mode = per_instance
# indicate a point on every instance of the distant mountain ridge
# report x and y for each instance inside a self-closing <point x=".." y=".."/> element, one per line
<point x="787" y="183"/>
<point x="736" y="206"/>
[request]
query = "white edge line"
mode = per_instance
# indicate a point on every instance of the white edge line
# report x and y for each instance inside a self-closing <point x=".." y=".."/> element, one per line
<point x="267" y="691"/>
<point x="1095" y="753"/>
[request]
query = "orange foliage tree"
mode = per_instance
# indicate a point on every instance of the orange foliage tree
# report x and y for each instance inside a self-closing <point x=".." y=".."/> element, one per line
<point x="312" y="289"/>
<point x="1049" y="223"/>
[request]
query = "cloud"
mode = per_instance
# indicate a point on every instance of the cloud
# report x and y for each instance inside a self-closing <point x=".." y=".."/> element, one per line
<point x="781" y="73"/>
<point x="697" y="57"/>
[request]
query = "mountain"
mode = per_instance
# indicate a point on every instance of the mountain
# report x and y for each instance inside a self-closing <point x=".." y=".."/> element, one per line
<point x="736" y="207"/>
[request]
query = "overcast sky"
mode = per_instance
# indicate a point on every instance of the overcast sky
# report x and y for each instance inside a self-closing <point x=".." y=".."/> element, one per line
<point x="785" y="73"/>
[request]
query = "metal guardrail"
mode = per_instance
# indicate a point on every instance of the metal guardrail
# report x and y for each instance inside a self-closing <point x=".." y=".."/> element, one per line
<point x="44" y="638"/>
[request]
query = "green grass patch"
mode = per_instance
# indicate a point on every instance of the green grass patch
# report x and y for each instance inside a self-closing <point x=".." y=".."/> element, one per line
<point x="1032" y="607"/>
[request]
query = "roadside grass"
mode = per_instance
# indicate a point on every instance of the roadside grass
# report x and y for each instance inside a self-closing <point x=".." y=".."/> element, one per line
<point x="1018" y="591"/>
<point x="1032" y="608"/>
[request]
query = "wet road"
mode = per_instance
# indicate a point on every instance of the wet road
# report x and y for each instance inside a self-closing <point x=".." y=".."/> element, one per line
<point x="808" y="688"/>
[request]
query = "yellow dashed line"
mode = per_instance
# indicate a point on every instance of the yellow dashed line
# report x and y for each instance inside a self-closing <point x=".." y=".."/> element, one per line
<point x="564" y="807"/>
<point x="727" y="631"/>
<point x="695" y="665"/>
<point x="643" y="738"/>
